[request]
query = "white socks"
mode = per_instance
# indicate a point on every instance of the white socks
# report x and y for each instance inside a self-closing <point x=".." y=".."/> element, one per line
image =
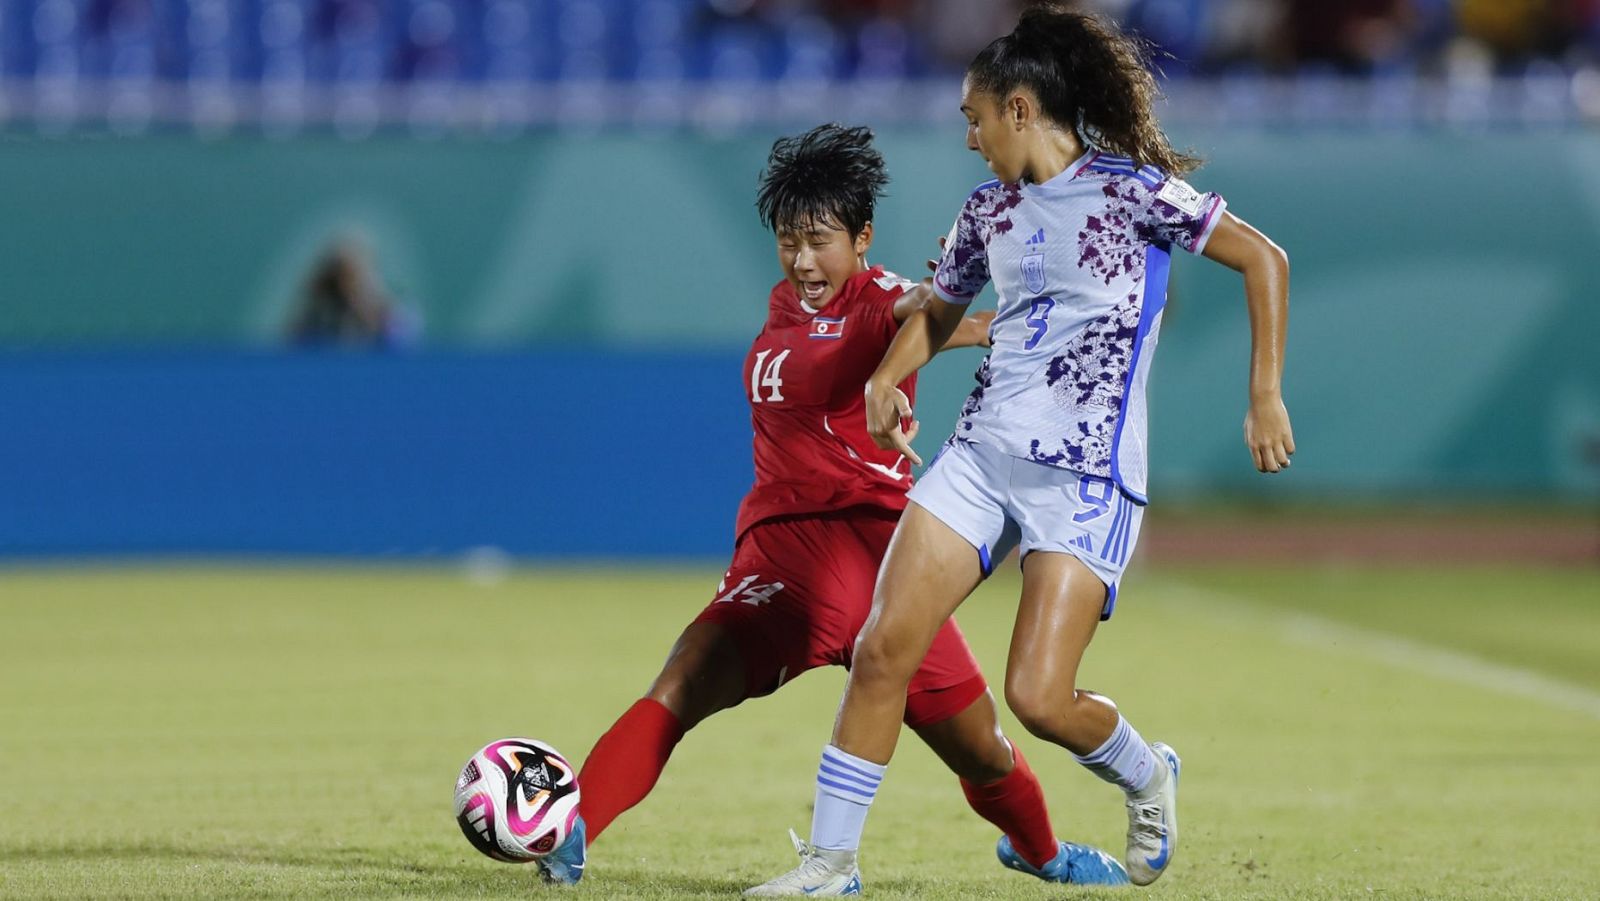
<point x="1123" y="760"/>
<point x="846" y="785"/>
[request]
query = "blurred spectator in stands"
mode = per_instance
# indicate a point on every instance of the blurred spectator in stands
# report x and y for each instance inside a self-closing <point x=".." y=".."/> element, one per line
<point x="1244" y="34"/>
<point x="1513" y="29"/>
<point x="344" y="303"/>
<point x="1354" y="36"/>
<point x="862" y="9"/>
<point x="955" y="30"/>
<point x="1176" y="28"/>
<point x="1582" y="19"/>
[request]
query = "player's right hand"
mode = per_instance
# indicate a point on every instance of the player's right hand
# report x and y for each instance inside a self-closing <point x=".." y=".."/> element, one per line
<point x="1268" y="435"/>
<point x="890" y="421"/>
<point x="933" y="265"/>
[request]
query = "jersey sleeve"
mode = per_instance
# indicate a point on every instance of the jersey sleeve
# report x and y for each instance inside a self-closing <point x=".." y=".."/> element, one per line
<point x="1183" y="216"/>
<point x="964" y="267"/>
<point x="877" y="302"/>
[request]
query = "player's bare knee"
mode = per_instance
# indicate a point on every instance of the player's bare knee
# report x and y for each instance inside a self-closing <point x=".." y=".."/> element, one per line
<point x="879" y="659"/>
<point x="990" y="761"/>
<point x="703" y="674"/>
<point x="982" y="765"/>
<point x="971" y="744"/>
<point x="1040" y="709"/>
<point x="1041" y="721"/>
<point x="1024" y="704"/>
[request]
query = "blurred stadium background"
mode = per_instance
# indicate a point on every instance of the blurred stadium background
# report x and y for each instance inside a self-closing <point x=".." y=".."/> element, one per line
<point x="548" y="205"/>
<point x="335" y="282"/>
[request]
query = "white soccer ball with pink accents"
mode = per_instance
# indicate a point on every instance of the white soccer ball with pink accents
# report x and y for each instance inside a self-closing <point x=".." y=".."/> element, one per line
<point x="516" y="799"/>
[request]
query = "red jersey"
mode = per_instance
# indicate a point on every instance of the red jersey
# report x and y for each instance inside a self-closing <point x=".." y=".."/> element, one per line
<point x="804" y="377"/>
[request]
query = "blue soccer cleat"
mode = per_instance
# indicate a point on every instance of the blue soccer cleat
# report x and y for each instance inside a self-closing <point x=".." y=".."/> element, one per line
<point x="1073" y="864"/>
<point x="564" y="865"/>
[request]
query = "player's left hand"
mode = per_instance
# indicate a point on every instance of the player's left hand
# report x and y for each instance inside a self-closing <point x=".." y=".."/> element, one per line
<point x="1268" y="435"/>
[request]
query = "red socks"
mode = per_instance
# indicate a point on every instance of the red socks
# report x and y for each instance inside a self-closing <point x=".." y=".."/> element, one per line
<point x="1016" y="805"/>
<point x="626" y="762"/>
<point x="629" y="758"/>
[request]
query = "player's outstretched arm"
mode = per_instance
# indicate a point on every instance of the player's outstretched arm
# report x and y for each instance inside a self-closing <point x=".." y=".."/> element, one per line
<point x="971" y="331"/>
<point x="1265" y="267"/>
<point x="927" y="329"/>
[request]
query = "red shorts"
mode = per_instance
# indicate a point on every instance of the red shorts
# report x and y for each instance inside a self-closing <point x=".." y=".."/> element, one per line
<point x="800" y="589"/>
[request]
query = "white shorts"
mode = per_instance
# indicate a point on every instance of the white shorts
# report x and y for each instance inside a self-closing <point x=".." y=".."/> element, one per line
<point x="998" y="502"/>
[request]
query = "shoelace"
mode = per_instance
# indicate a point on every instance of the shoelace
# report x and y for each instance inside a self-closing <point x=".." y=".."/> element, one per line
<point x="810" y="860"/>
<point x="1147" y="820"/>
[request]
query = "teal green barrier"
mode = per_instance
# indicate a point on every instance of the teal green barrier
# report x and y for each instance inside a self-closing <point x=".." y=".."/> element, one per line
<point x="1444" y="309"/>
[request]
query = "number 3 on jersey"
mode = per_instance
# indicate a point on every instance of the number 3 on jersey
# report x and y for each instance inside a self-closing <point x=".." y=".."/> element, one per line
<point x="765" y="375"/>
<point x="1039" y="320"/>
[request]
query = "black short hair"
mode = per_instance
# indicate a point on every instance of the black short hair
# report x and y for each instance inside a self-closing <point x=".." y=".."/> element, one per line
<point x="831" y="175"/>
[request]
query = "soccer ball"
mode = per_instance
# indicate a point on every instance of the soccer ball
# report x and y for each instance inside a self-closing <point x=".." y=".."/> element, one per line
<point x="516" y="799"/>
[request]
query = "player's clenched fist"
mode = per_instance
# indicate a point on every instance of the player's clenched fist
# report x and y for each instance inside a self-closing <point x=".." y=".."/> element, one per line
<point x="1268" y="435"/>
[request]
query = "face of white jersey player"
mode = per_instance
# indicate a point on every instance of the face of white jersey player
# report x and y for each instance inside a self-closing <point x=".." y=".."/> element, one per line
<point x="991" y="136"/>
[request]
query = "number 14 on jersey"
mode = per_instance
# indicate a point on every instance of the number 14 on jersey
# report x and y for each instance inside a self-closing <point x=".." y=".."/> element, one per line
<point x="765" y="375"/>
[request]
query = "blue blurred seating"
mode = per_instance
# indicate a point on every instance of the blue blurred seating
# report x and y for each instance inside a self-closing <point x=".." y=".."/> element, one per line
<point x="368" y="43"/>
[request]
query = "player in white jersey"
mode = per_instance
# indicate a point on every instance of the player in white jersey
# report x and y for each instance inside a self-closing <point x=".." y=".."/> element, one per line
<point x="1049" y="453"/>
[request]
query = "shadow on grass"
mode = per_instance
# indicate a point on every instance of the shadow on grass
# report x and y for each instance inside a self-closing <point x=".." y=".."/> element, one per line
<point x="335" y="870"/>
<point x="332" y="872"/>
<point x="168" y="869"/>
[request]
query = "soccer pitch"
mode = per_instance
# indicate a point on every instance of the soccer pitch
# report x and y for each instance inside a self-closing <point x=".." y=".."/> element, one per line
<point x="296" y="732"/>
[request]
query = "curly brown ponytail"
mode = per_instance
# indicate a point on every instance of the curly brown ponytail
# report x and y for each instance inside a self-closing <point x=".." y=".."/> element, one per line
<point x="1088" y="75"/>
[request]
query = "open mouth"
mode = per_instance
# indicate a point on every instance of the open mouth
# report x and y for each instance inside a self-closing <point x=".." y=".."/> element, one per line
<point x="813" y="291"/>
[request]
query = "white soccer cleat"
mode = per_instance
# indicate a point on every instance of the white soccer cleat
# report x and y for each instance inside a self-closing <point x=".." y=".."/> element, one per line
<point x="821" y="874"/>
<point x="1153" y="820"/>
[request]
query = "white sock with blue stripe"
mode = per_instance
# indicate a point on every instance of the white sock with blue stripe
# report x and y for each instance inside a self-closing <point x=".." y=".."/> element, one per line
<point x="1123" y="760"/>
<point x="846" y="785"/>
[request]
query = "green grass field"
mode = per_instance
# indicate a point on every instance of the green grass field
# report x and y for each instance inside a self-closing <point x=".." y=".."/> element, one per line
<point x="296" y="732"/>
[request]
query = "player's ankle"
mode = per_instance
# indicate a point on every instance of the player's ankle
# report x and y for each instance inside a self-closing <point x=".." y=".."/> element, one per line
<point x="837" y="858"/>
<point x="1152" y="788"/>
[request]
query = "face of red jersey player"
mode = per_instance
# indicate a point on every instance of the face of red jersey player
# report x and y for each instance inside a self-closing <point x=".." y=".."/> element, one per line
<point x="817" y="195"/>
<point x="818" y="256"/>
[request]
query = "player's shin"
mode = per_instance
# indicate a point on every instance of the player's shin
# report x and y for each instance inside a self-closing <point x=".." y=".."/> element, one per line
<point x="626" y="762"/>
<point x="1015" y="804"/>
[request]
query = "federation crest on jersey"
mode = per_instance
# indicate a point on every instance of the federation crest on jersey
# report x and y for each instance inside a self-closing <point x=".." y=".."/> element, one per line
<point x="1033" y="263"/>
<point x="833" y="329"/>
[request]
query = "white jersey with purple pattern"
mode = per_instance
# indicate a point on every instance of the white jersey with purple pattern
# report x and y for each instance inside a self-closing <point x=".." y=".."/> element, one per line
<point x="1080" y="263"/>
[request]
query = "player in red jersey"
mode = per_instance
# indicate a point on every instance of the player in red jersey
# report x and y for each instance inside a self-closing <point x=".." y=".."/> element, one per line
<point x="816" y="524"/>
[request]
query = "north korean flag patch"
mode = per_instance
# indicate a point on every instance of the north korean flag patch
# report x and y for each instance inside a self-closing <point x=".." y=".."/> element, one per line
<point x="831" y="329"/>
